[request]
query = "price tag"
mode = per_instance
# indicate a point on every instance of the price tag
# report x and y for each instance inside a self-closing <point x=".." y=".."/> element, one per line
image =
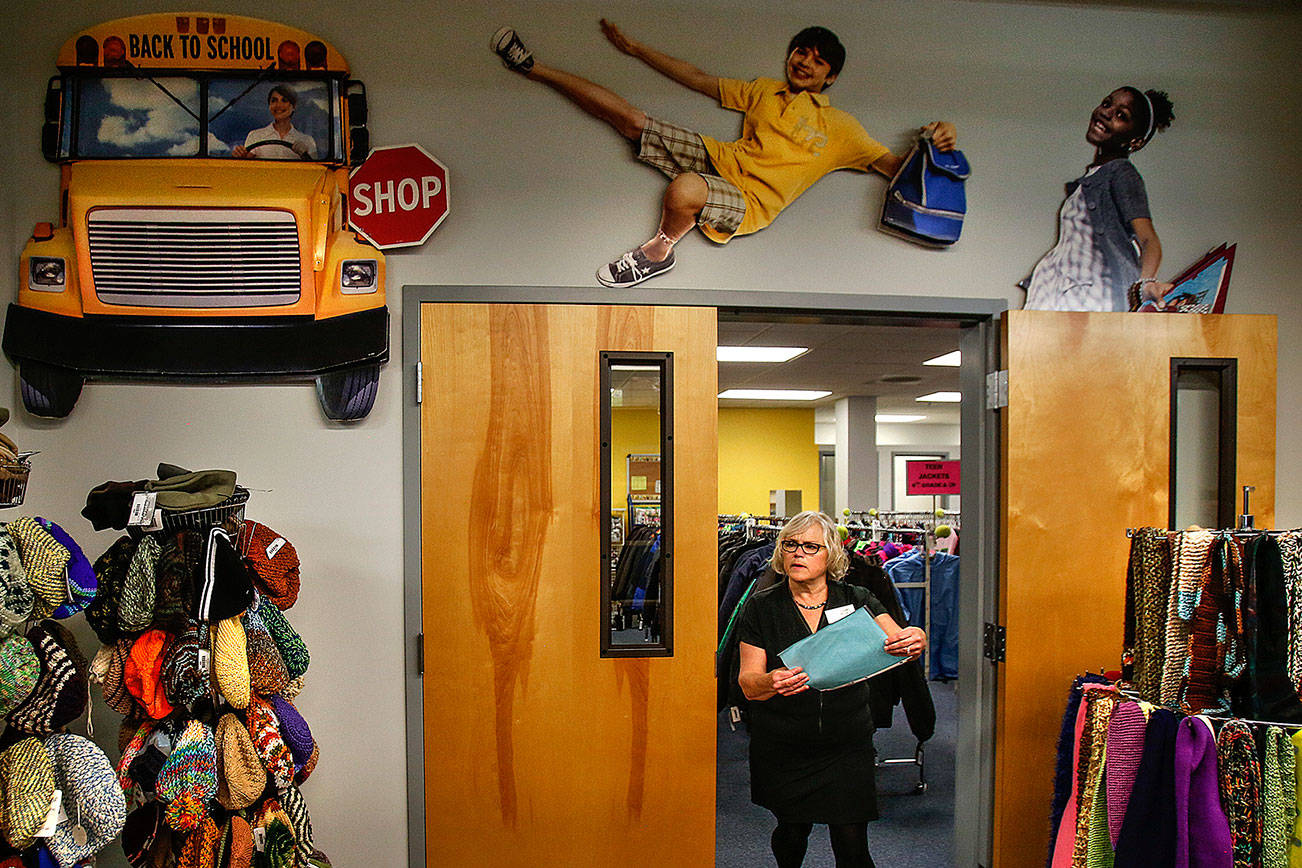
<point x="155" y="521"/>
<point x="276" y="545"/>
<point x="142" y="508"/>
<point x="260" y="839"/>
<point x="203" y="660"/>
<point x="55" y="816"/>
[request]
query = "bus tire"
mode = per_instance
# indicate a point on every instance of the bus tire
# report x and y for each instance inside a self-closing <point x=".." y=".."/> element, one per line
<point x="47" y="390"/>
<point x="348" y="395"/>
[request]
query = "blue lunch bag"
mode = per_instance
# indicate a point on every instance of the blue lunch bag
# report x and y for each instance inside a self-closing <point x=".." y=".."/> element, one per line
<point x="925" y="201"/>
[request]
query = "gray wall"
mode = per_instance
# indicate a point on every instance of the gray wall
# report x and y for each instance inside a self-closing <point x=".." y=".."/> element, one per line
<point x="542" y="195"/>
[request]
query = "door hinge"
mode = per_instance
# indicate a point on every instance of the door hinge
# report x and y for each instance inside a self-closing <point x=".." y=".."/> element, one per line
<point x="996" y="390"/>
<point x="420" y="654"/>
<point x="994" y="643"/>
<point x="420" y="381"/>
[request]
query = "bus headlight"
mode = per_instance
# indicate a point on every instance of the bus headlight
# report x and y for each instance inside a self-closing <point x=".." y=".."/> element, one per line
<point x="46" y="273"/>
<point x="358" y="276"/>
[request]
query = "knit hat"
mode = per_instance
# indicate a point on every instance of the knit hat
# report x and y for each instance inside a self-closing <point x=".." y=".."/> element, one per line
<point x="278" y="835"/>
<point x="291" y="646"/>
<point x="46" y="563"/>
<point x="144" y="829"/>
<point x="61" y="691"/>
<point x="294" y="688"/>
<point x="294" y="730"/>
<point x="133" y="749"/>
<point x="136" y="607"/>
<point x="177" y="573"/>
<point x="114" y="684"/>
<point x="92" y="801"/>
<point x="304" y="771"/>
<point x="184" y="682"/>
<point x="230" y="662"/>
<point x="16" y="598"/>
<point x="109" y="504"/>
<point x="142" y="673"/>
<point x="236" y="848"/>
<point x="200" y="847"/>
<point x="81" y="575"/>
<point x="264" y="729"/>
<point x="274" y="560"/>
<point x="227" y="587"/>
<point x="111" y="570"/>
<point x="189" y="778"/>
<point x="267" y="673"/>
<point x="241" y="778"/>
<point x="26" y="790"/>
<point x="292" y="801"/>
<point x="19" y="669"/>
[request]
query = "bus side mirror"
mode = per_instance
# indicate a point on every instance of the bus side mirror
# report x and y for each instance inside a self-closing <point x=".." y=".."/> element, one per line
<point x="357" y="108"/>
<point x="358" y="135"/>
<point x="361" y="139"/>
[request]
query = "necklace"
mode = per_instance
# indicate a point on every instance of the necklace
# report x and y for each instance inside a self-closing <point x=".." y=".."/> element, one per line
<point x="815" y="606"/>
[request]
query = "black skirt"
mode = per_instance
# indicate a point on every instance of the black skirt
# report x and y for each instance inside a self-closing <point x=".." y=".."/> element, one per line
<point x="827" y="782"/>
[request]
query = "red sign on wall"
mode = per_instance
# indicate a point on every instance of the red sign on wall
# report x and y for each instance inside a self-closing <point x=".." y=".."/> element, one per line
<point x="931" y="477"/>
<point x="398" y="196"/>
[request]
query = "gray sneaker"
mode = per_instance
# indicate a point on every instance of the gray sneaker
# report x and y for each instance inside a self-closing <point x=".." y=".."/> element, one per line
<point x="632" y="268"/>
<point x="506" y="42"/>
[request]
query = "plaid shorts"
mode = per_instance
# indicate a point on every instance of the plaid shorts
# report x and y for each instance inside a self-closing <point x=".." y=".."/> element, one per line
<point x="674" y="150"/>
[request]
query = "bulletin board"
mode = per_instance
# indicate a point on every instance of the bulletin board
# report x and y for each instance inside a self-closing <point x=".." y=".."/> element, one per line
<point x="643" y="479"/>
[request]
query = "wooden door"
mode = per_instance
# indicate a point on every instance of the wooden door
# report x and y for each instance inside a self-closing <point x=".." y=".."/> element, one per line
<point x="538" y="751"/>
<point x="1085" y="456"/>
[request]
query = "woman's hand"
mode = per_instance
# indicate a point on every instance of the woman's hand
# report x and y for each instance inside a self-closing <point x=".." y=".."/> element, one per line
<point x="618" y="39"/>
<point x="943" y="135"/>
<point x="787" y="682"/>
<point x="239" y="151"/>
<point x="909" y="642"/>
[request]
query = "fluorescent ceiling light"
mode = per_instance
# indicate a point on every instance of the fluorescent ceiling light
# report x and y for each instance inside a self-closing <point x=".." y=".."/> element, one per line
<point x="949" y="360"/>
<point x="941" y="397"/>
<point x="635" y="368"/>
<point x="898" y="417"/>
<point x="774" y="394"/>
<point x="759" y="354"/>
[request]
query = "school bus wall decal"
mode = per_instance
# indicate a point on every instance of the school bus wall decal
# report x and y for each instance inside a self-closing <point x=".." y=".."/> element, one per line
<point x="203" y="231"/>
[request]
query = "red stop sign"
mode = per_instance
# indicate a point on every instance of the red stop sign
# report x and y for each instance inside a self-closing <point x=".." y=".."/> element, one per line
<point x="398" y="196"/>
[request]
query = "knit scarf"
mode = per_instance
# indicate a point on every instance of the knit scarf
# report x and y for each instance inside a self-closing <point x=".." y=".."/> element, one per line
<point x="1279" y="798"/>
<point x="1241" y="790"/>
<point x="1099" y="705"/>
<point x="1148" y="579"/>
<point x="1290" y="549"/>
<point x="1190" y="563"/>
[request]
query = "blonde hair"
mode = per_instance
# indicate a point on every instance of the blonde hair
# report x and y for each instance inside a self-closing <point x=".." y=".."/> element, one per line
<point x="838" y="562"/>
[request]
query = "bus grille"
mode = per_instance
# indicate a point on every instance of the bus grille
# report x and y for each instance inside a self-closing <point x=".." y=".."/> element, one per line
<point x="219" y="257"/>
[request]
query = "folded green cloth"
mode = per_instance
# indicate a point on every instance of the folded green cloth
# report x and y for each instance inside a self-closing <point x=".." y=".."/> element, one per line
<point x="842" y="653"/>
<point x="196" y="490"/>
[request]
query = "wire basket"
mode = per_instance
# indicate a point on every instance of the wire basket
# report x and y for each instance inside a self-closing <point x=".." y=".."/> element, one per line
<point x="229" y="513"/>
<point x="13" y="480"/>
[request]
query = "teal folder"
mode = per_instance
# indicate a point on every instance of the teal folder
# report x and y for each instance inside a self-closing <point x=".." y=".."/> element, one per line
<point x="850" y="650"/>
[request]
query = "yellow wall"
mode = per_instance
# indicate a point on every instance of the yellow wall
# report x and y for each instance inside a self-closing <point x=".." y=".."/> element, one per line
<point x="761" y="450"/>
<point x="631" y="431"/>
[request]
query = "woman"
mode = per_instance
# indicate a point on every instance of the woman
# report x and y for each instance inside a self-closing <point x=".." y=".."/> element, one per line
<point x="1107" y="248"/>
<point x="811" y="754"/>
<point x="278" y="140"/>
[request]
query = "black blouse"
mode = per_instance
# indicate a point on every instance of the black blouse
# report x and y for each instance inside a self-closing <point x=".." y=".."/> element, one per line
<point x="772" y="621"/>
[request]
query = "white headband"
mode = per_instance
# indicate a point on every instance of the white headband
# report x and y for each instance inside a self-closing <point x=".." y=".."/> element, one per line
<point x="1152" y="116"/>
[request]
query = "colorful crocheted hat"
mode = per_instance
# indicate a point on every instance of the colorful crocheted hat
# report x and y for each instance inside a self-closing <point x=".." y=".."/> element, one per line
<point x="200" y="847"/>
<point x="292" y="801"/>
<point x="184" y="683"/>
<point x="241" y="778"/>
<point x="46" y="563"/>
<point x="227" y="586"/>
<point x="26" y="790"/>
<point x="134" y="748"/>
<point x="267" y="673"/>
<point x="143" y="672"/>
<point x="19" y="669"/>
<point x="177" y="574"/>
<point x="16" y="600"/>
<point x="111" y="571"/>
<point x="82" y="583"/>
<point x="275" y="562"/>
<point x="291" y="646"/>
<point x="294" y="730"/>
<point x="61" y="691"/>
<point x="230" y="662"/>
<point x="264" y="729"/>
<point x="236" y="848"/>
<point x="188" y="780"/>
<point x="144" y="828"/>
<point x="92" y="800"/>
<point x="136" y="606"/>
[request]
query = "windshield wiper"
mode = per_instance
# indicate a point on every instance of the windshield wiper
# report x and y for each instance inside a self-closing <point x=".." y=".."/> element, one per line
<point x="263" y="76"/>
<point x="140" y="74"/>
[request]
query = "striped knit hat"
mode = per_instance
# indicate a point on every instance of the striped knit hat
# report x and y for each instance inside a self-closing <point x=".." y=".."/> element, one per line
<point x="46" y="563"/>
<point x="136" y="606"/>
<point x="184" y="683"/>
<point x="142" y="673"/>
<point x="111" y="571"/>
<point x="113" y="685"/>
<point x="81" y="575"/>
<point x="92" y="801"/>
<point x="26" y="789"/>
<point x="188" y="780"/>
<point x="267" y="673"/>
<point x="241" y="778"/>
<point x="16" y="598"/>
<point x="230" y="662"/>
<point x="292" y="648"/>
<point x="264" y="729"/>
<point x="61" y="691"/>
<point x="275" y="561"/>
<point x="19" y="669"/>
<point x="292" y="801"/>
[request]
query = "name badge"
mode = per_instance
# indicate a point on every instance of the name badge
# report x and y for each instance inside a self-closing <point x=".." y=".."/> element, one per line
<point x="834" y="615"/>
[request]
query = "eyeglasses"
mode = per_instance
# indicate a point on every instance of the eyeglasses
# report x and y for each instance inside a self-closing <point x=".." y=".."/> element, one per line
<point x="809" y="548"/>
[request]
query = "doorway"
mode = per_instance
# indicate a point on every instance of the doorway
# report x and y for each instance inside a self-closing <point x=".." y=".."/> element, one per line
<point x="974" y="321"/>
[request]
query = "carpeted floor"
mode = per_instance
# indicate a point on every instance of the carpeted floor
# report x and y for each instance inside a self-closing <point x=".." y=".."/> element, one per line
<point x="915" y="829"/>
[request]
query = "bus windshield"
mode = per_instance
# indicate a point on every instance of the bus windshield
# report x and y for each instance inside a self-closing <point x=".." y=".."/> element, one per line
<point x="183" y="116"/>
